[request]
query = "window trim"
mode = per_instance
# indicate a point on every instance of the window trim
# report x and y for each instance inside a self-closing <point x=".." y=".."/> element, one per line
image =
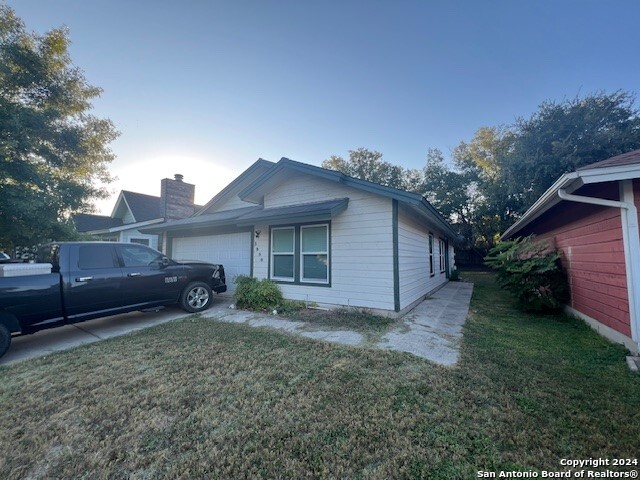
<point x="442" y="249"/>
<point x="139" y="240"/>
<point x="297" y="248"/>
<point x="302" y="278"/>
<point x="272" y="254"/>
<point x="432" y="272"/>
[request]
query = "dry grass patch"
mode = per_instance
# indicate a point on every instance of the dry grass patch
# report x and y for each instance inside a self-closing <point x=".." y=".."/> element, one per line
<point x="197" y="398"/>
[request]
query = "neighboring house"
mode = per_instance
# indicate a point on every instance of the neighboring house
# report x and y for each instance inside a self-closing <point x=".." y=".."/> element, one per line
<point x="134" y="211"/>
<point x="591" y="216"/>
<point x="323" y="236"/>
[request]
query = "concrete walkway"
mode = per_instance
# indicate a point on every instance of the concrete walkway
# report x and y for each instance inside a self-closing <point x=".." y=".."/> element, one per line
<point x="432" y="330"/>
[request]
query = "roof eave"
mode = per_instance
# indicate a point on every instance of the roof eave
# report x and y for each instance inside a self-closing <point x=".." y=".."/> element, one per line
<point x="253" y="193"/>
<point x="569" y="182"/>
<point x="128" y="226"/>
<point x="301" y="217"/>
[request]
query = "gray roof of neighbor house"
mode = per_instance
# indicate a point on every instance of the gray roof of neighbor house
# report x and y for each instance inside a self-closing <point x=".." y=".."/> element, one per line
<point x="629" y="158"/>
<point x="620" y="167"/>
<point x="143" y="207"/>
<point x="86" y="222"/>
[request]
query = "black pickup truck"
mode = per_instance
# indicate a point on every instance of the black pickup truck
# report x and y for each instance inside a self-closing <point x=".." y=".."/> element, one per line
<point x="98" y="279"/>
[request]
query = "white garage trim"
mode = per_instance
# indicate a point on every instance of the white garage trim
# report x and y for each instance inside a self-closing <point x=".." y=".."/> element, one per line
<point x="232" y="250"/>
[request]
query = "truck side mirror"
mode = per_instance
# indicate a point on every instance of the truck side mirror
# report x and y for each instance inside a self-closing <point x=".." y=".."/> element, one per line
<point x="165" y="261"/>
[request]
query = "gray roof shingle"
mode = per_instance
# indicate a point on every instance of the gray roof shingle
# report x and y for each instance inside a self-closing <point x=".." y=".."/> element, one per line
<point x="143" y="207"/>
<point x="86" y="222"/>
<point x="629" y="158"/>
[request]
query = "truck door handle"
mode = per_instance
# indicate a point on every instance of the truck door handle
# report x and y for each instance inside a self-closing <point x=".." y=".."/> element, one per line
<point x="134" y="274"/>
<point x="83" y="279"/>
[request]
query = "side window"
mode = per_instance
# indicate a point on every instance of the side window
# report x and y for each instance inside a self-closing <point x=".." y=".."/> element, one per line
<point x="139" y="256"/>
<point x="431" y="272"/>
<point x="91" y="257"/>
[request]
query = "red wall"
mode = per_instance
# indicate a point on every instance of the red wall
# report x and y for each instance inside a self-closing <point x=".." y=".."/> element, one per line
<point x="590" y="239"/>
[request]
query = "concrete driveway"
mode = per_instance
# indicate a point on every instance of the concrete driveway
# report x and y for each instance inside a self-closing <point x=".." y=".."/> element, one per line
<point x="62" y="338"/>
<point x="432" y="330"/>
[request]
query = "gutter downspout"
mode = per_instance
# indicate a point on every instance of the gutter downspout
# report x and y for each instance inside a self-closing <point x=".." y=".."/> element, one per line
<point x="631" y="245"/>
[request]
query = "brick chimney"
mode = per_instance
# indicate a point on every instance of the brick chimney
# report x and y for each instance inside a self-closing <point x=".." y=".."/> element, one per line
<point x="176" y="198"/>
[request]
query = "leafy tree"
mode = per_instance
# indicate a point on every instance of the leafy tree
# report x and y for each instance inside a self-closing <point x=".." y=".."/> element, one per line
<point x="368" y="165"/>
<point x="563" y="136"/>
<point x="52" y="151"/>
<point x="447" y="190"/>
<point x="481" y="161"/>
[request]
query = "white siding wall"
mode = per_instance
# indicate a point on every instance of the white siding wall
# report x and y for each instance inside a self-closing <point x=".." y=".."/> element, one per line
<point x="234" y="201"/>
<point x="413" y="259"/>
<point x="127" y="217"/>
<point x="361" y="245"/>
<point x="127" y="235"/>
<point x="230" y="204"/>
<point x="261" y="252"/>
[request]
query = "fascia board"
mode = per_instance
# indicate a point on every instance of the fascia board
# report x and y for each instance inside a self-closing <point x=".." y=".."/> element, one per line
<point x="545" y="202"/>
<point x="610" y="174"/>
<point x="117" y="205"/>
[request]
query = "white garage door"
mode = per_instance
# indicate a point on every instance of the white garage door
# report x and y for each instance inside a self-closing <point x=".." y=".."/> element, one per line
<point x="232" y="250"/>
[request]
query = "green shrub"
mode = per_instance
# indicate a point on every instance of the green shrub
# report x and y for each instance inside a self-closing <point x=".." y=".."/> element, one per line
<point x="532" y="272"/>
<point x="254" y="294"/>
<point x="454" y="276"/>
<point x="290" y="307"/>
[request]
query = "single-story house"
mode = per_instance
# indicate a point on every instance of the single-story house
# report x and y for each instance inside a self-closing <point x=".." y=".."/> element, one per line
<point x="134" y="211"/>
<point x="591" y="217"/>
<point x="324" y="237"/>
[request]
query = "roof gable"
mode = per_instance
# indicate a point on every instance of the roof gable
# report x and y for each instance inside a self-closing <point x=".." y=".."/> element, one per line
<point x="281" y="171"/>
<point x="143" y="207"/>
<point x="247" y="177"/>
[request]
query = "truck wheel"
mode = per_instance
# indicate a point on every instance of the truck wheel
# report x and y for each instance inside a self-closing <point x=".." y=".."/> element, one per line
<point x="196" y="297"/>
<point x="5" y="339"/>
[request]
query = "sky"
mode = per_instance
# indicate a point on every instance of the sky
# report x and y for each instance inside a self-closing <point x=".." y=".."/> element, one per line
<point x="205" y="88"/>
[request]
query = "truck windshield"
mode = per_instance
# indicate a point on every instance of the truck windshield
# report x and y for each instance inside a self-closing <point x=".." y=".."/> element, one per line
<point x="49" y="254"/>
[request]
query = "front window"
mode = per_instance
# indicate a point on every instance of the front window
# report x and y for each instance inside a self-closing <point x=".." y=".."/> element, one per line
<point x="300" y="254"/>
<point x="282" y="253"/>
<point x="442" y="252"/>
<point x="314" y="253"/>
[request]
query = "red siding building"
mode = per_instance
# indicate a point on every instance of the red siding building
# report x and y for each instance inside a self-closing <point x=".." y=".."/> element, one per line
<point x="591" y="217"/>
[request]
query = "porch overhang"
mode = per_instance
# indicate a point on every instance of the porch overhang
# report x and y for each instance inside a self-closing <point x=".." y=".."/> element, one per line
<point x="300" y="213"/>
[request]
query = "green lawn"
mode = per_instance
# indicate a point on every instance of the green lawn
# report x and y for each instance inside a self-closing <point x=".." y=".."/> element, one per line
<point x="196" y="398"/>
